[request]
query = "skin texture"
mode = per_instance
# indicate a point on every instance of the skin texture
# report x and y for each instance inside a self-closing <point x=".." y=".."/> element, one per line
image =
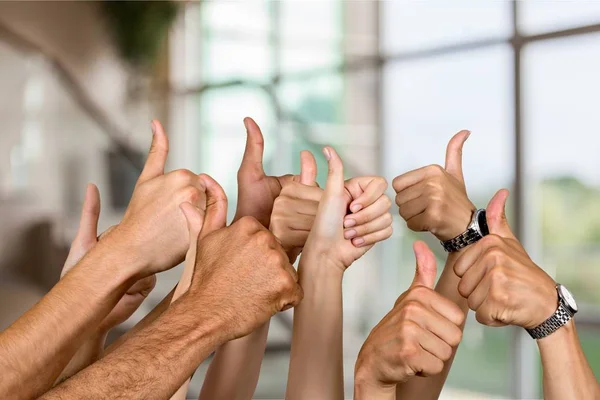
<point x="201" y="222"/>
<point x="240" y="360"/>
<point x="505" y="287"/>
<point x="87" y="237"/>
<point x="155" y="362"/>
<point x="416" y="338"/>
<point x="435" y="199"/>
<point x="149" y="239"/>
<point x="316" y="370"/>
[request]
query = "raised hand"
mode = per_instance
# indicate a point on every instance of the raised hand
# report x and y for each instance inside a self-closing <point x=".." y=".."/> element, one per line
<point x="433" y="198"/>
<point x="154" y="227"/>
<point x="200" y="222"/>
<point x="85" y="239"/>
<point x="414" y="339"/>
<point x="245" y="270"/>
<point x="256" y="190"/>
<point x="294" y="211"/>
<point x="327" y="237"/>
<point x="501" y="283"/>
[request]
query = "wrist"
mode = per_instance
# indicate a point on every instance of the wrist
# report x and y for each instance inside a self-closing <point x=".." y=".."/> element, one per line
<point x="367" y="387"/>
<point x="460" y="223"/>
<point x="132" y="262"/>
<point x="565" y="334"/>
<point x="321" y="266"/>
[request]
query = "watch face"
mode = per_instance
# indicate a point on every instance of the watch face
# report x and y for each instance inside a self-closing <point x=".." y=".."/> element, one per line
<point x="482" y="222"/>
<point x="567" y="297"/>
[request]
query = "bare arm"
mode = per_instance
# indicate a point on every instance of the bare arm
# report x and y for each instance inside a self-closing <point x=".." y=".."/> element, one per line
<point x="153" y="363"/>
<point x="566" y="372"/>
<point x="38" y="346"/>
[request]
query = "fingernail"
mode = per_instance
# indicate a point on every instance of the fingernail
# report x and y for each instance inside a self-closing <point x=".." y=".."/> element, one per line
<point x="355" y="207"/>
<point x="246" y="123"/>
<point x="349" y="223"/>
<point x="358" y="241"/>
<point x="153" y="125"/>
<point x="327" y="153"/>
<point x="350" y="234"/>
<point x="286" y="307"/>
<point x="468" y="134"/>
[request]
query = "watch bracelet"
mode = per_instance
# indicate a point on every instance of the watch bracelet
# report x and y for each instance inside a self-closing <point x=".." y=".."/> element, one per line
<point x="561" y="316"/>
<point x="463" y="240"/>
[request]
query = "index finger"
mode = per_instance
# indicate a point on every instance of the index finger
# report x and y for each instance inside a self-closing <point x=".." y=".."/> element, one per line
<point x="365" y="191"/>
<point x="410" y="178"/>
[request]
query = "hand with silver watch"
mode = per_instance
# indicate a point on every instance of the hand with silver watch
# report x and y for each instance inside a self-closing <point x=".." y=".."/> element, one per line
<point x="505" y="287"/>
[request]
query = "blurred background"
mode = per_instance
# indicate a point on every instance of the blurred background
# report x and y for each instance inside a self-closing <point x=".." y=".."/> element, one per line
<point x="386" y="82"/>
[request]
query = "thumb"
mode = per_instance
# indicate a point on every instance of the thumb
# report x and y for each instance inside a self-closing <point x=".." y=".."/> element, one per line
<point x="426" y="271"/>
<point x="90" y="214"/>
<point x="496" y="215"/>
<point x="194" y="220"/>
<point x="308" y="168"/>
<point x="454" y="155"/>
<point x="157" y="156"/>
<point x="335" y="175"/>
<point x="252" y="161"/>
<point x="216" y="206"/>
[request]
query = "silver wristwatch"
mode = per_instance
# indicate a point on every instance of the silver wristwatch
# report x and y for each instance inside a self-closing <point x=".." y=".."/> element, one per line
<point x="567" y="307"/>
<point x="476" y="230"/>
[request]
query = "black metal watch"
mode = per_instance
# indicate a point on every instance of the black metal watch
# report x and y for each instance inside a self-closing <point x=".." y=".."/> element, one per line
<point x="567" y="307"/>
<point x="477" y="229"/>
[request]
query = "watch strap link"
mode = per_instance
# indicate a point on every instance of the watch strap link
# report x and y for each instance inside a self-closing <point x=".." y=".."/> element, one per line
<point x="465" y="239"/>
<point x="561" y="316"/>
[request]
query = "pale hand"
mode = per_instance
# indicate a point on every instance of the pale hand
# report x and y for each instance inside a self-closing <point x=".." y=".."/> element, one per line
<point x="85" y="240"/>
<point x="434" y="199"/>
<point x="415" y="338"/>
<point x="327" y="241"/>
<point x="295" y="209"/>
<point x="501" y="283"/>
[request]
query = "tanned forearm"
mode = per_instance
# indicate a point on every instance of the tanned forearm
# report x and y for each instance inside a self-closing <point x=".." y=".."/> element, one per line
<point x="146" y="321"/>
<point x="38" y="346"/>
<point x="239" y="360"/>
<point x="153" y="363"/>
<point x="89" y="352"/>
<point x="316" y="360"/>
<point x="431" y="387"/>
<point x="566" y="372"/>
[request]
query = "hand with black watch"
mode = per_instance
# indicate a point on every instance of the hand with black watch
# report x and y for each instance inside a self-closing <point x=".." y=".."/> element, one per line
<point x="505" y="287"/>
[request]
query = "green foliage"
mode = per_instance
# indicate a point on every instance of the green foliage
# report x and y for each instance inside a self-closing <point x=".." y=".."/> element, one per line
<point x="140" y="27"/>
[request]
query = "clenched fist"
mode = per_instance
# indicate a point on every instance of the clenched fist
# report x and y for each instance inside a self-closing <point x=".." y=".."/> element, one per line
<point x="501" y="283"/>
<point x="434" y="198"/>
<point x="243" y="275"/>
<point x="154" y="227"/>
<point x="415" y="338"/>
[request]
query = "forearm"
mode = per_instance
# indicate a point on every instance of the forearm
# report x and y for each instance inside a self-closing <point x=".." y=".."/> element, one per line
<point x="145" y="322"/>
<point x="153" y="363"/>
<point x="236" y="361"/>
<point x="316" y="360"/>
<point x="38" y="346"/>
<point x="431" y="387"/>
<point x="566" y="372"/>
<point x="89" y="352"/>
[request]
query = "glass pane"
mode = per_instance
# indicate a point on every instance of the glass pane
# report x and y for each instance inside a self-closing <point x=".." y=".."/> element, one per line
<point x="414" y="25"/>
<point x="424" y="104"/>
<point x="236" y="15"/>
<point x="538" y="16"/>
<point x="309" y="46"/>
<point x="561" y="122"/>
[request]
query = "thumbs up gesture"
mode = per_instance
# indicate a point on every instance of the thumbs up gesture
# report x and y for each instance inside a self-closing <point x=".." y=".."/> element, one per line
<point x="154" y="228"/>
<point x="328" y="237"/>
<point x="433" y="198"/>
<point x="501" y="283"/>
<point x="368" y="221"/>
<point x="415" y="338"/>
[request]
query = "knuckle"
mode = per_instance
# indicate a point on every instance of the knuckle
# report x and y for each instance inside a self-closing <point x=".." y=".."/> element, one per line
<point x="190" y="194"/>
<point x="410" y="309"/>
<point x="420" y="292"/>
<point x="396" y="183"/>
<point x="248" y="223"/>
<point x="494" y="253"/>
<point x="446" y="352"/>
<point x="182" y="176"/>
<point x="436" y="170"/>
<point x="437" y="367"/>
<point x="491" y="240"/>
<point x="454" y="337"/>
